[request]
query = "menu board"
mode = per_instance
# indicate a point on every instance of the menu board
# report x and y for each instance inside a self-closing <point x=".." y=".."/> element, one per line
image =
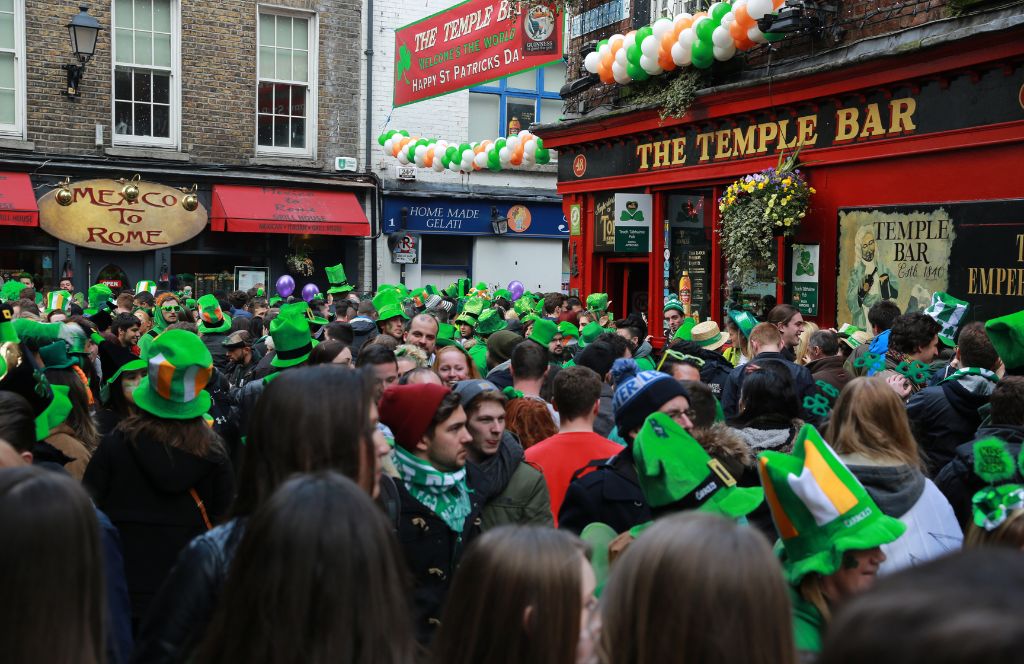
<point x="604" y="223"/>
<point x="691" y="253"/>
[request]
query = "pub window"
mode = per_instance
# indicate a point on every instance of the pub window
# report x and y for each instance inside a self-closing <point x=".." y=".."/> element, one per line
<point x="672" y="8"/>
<point x="286" y="89"/>
<point x="507" y="106"/>
<point x="146" y="62"/>
<point x="12" y="68"/>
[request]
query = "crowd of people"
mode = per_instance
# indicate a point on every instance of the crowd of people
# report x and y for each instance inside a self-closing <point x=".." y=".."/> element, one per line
<point x="467" y="475"/>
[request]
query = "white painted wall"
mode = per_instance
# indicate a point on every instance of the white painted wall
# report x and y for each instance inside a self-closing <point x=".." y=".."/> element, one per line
<point x="536" y="263"/>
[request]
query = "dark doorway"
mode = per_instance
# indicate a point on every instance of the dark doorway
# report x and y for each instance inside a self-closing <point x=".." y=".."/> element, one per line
<point x="628" y="282"/>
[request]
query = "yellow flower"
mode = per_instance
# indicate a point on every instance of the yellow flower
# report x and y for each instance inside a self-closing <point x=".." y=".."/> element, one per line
<point x="813" y="190"/>
<point x="760" y="185"/>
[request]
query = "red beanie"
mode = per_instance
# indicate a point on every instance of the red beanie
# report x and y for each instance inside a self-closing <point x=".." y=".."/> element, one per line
<point x="408" y="410"/>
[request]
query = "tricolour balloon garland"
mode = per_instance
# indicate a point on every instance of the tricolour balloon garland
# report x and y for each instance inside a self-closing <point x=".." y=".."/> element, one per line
<point x="685" y="40"/>
<point x="523" y="149"/>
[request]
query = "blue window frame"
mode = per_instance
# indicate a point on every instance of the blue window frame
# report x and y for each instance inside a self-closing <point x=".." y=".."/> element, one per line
<point x="495" y="109"/>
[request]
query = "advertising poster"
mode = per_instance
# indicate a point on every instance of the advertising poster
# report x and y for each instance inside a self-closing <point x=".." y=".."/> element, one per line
<point x="633" y="223"/>
<point x="604" y="223"/>
<point x="805" y="278"/>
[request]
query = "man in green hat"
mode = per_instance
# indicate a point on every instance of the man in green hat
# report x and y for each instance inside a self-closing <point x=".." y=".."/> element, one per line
<point x="467" y="319"/>
<point x="100" y="296"/>
<point x="167" y="311"/>
<point x="831" y="531"/>
<point x="391" y="315"/>
<point x="546" y="333"/>
<point x="674" y="315"/>
<point x="214" y="326"/>
<point x="598" y="303"/>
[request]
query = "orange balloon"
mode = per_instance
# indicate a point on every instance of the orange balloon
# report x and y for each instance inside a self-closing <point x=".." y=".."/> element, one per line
<point x="666" y="62"/>
<point x="666" y="43"/>
<point x="778" y="3"/>
<point x="478" y="148"/>
<point x="615" y="45"/>
<point x="699" y="15"/>
<point x="517" y="158"/>
<point x="737" y="31"/>
<point x="743" y="18"/>
<point x="605" y="73"/>
<point x="397" y="147"/>
<point x="428" y="157"/>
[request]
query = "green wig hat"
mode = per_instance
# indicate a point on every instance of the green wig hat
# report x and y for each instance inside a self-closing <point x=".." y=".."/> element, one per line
<point x="11" y="290"/>
<point x="99" y="295"/>
<point x="597" y="302"/>
<point x="819" y="508"/>
<point x="490" y="322"/>
<point x="337" y="279"/>
<point x="178" y="368"/>
<point x="471" y="311"/>
<point x="211" y="319"/>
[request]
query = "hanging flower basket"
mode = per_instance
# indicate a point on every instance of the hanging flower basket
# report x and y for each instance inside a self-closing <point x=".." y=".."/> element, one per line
<point x="757" y="208"/>
<point x="299" y="264"/>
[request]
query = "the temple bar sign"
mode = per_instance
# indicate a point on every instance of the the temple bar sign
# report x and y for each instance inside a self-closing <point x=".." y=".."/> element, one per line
<point x="901" y="110"/>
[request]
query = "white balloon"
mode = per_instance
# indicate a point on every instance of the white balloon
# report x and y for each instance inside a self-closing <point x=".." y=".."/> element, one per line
<point x="721" y="37"/>
<point x="619" y="74"/>
<point x="620" y="57"/>
<point x="420" y="150"/>
<point x="680" y="17"/>
<point x="723" y="53"/>
<point x="505" y="155"/>
<point x="467" y="155"/>
<point x="454" y="166"/>
<point x="649" y="47"/>
<point x="755" y="35"/>
<point x="687" y="37"/>
<point x="661" y="27"/>
<point x="591" y="61"/>
<point x="529" y="149"/>
<point x="758" y="8"/>
<point x="467" y="164"/>
<point x="650" y="65"/>
<point x="438" y="165"/>
<point x="389" y="146"/>
<point x="711" y="9"/>
<point x="524" y="136"/>
<point x="681" y="56"/>
<point x="512" y="143"/>
<point x="617" y="35"/>
<point x="604" y="51"/>
<point x="728" y="20"/>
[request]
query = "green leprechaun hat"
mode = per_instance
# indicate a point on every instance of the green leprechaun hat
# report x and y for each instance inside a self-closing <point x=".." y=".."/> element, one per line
<point x="947" y="311"/>
<point x="471" y="311"/>
<point x="676" y="473"/>
<point x="56" y="413"/>
<point x="302" y="310"/>
<point x="290" y="332"/>
<point x="744" y="320"/>
<point x="445" y="335"/>
<point x="55" y="355"/>
<point x="569" y="330"/>
<point x="490" y="322"/>
<point x="685" y="331"/>
<point x="993" y="463"/>
<point x="523" y="306"/>
<point x="590" y="333"/>
<point x="212" y="319"/>
<point x="99" y="294"/>
<point x="145" y="286"/>
<point x="57" y="300"/>
<point x="544" y="332"/>
<point x="819" y="508"/>
<point x="597" y="302"/>
<point x="1007" y="336"/>
<point x="337" y="279"/>
<point x="178" y="368"/>
<point x="388" y="304"/>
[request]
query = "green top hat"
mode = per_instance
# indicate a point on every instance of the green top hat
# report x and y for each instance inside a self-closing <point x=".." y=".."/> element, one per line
<point x="388" y="304"/>
<point x="431" y="289"/>
<point x="744" y="320"/>
<point x="569" y="330"/>
<point x="458" y="288"/>
<point x="1007" y="335"/>
<point x="820" y="509"/>
<point x="99" y="294"/>
<point x="471" y="311"/>
<point x="57" y="300"/>
<point x="674" y="303"/>
<point x="290" y="332"/>
<point x="685" y="331"/>
<point x="178" y="368"/>
<point x="445" y="335"/>
<point x="11" y="290"/>
<point x="55" y="355"/>
<point x="676" y="473"/>
<point x="947" y="311"/>
<point x="597" y="302"/>
<point x="211" y="319"/>
<point x="544" y="332"/>
<point x="503" y="293"/>
<point x="490" y="322"/>
<point x="523" y="306"/>
<point x="56" y="413"/>
<point x="148" y="286"/>
<point x="339" y="282"/>
<point x="590" y="333"/>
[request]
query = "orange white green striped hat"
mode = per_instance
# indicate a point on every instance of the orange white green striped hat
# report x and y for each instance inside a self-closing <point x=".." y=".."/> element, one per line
<point x="211" y="318"/>
<point x="145" y="286"/>
<point x="178" y="368"/>
<point x="820" y="509"/>
<point x="57" y="300"/>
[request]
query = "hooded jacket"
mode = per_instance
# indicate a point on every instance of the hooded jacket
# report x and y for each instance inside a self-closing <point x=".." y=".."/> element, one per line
<point x="716" y="369"/>
<point x="143" y="487"/>
<point x="642" y="356"/>
<point x="363" y="331"/>
<point x="957" y="480"/>
<point x="946" y="416"/>
<point x="830" y="370"/>
<point x="518" y="492"/>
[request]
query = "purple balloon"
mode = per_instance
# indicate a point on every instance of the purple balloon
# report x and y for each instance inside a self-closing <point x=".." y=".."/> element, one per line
<point x="309" y="291"/>
<point x="285" y="285"/>
<point x="517" y="289"/>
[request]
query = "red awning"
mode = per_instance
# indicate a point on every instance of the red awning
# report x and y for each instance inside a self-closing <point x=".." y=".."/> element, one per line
<point x="243" y="209"/>
<point x="18" y="205"/>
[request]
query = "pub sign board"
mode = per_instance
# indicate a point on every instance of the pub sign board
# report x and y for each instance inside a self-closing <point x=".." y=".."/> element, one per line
<point x="958" y="102"/>
<point x="100" y="217"/>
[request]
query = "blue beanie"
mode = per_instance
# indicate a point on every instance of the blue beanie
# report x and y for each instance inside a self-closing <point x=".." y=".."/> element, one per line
<point x="640" y="393"/>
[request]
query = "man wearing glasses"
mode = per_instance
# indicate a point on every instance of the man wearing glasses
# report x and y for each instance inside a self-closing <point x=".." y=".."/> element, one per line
<point x="167" y="311"/>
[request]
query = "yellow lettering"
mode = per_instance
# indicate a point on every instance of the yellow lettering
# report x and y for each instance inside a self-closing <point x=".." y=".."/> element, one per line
<point x="766" y="132"/>
<point x="703" y="141"/>
<point x="660" y="154"/>
<point x="872" y="123"/>
<point x="971" y="272"/>
<point x="679" y="151"/>
<point x="807" y="129"/>
<point x="643" y="150"/>
<point x="1020" y="248"/>
<point x="846" y="124"/>
<point x="1010" y="275"/>
<point x="1000" y="279"/>
<point x="742" y="141"/>
<point x="723" y="144"/>
<point x="985" y="281"/>
<point x="785" y="142"/>
<point x="900" y="112"/>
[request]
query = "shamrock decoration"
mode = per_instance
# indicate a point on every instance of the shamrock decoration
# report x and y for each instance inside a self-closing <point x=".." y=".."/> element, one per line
<point x="404" y="63"/>
<point x="828" y="390"/>
<point x="817" y="405"/>
<point x="916" y="371"/>
<point x="992" y="505"/>
<point x="873" y="362"/>
<point x="804" y="266"/>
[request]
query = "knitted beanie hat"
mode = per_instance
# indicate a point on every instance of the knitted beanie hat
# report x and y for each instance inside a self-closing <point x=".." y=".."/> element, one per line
<point x="408" y="410"/>
<point x="501" y="344"/>
<point x="640" y="393"/>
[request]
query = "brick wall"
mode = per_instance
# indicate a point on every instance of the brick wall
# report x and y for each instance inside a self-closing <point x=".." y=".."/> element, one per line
<point x="218" y="74"/>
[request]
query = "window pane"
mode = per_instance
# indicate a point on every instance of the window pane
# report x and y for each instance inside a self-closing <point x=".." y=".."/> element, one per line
<point x="526" y="81"/>
<point x="122" y="118"/>
<point x="298" y="133"/>
<point x="122" y="84"/>
<point x="143" y="87"/>
<point x="162" y="15"/>
<point x="282" y="99"/>
<point x="266" y="29"/>
<point x="266" y="62"/>
<point x="7" y="107"/>
<point x="7" y="70"/>
<point x="300" y="61"/>
<point x="123" y="13"/>
<point x="284" y="32"/>
<point x="519" y="115"/>
<point x="284" y="64"/>
<point x="484" y="116"/>
<point x="123" y="46"/>
<point x="281" y="131"/>
<point x="554" y="76"/>
<point x="298" y="101"/>
<point x="6" y="30"/>
<point x="264" y="130"/>
<point x="300" y="33"/>
<point x="161" y="121"/>
<point x="143" y="48"/>
<point x="162" y="50"/>
<point x="265" y="98"/>
<point x="143" y="15"/>
<point x="550" y="110"/>
<point x="142" y="118"/>
<point x="161" y="89"/>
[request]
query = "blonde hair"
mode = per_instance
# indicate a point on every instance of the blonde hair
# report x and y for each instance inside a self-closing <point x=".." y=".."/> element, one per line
<point x="414" y="353"/>
<point x="805" y="342"/>
<point x="870" y="419"/>
<point x="1010" y="533"/>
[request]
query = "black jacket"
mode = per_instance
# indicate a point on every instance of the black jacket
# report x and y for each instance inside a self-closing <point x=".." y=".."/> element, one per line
<point x="144" y="488"/>
<point x="803" y="384"/>
<point x="610" y="494"/>
<point x="214" y="343"/>
<point x="946" y="416"/>
<point x="716" y="370"/>
<point x="957" y="480"/>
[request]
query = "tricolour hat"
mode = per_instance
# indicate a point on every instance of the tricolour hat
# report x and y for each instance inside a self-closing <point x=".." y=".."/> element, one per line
<point x="471" y="311"/>
<point x="388" y="303"/>
<point x="57" y="300"/>
<point x="947" y="311"/>
<point x="569" y="330"/>
<point x="490" y="322"/>
<point x="820" y="509"/>
<point x="337" y="279"/>
<point x="676" y="473"/>
<point x="1007" y="336"/>
<point x="674" y="303"/>
<point x="211" y="318"/>
<point x="708" y="335"/>
<point x="597" y="302"/>
<point x="744" y="320"/>
<point x="292" y="340"/>
<point x="179" y="367"/>
<point x="544" y="332"/>
<point x="145" y="286"/>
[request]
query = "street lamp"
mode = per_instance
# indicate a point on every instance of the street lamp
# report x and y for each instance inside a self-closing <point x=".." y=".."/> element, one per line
<point x="498" y="224"/>
<point x="84" y="31"/>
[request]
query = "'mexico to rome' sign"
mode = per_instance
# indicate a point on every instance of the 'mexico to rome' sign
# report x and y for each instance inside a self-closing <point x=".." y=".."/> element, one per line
<point x="99" y="217"/>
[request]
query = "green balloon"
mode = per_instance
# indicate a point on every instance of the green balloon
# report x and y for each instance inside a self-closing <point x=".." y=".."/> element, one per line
<point x="601" y="43"/>
<point x="720" y="11"/>
<point x="450" y="153"/>
<point x="633" y="54"/>
<point x="494" y="166"/>
<point x="445" y="160"/>
<point x="404" y="133"/>
<point x="702" y="63"/>
<point x="540" y="142"/>
<point x="382" y="139"/>
<point x="463" y="147"/>
<point x="411" y="152"/>
<point x="543" y="155"/>
<point x="636" y="72"/>
<point x="499" y="144"/>
<point x="493" y="158"/>
<point x="643" y="33"/>
<point x="702" y="50"/>
<point x="705" y="29"/>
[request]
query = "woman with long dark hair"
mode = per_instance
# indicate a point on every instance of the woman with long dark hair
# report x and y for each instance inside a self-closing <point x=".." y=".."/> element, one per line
<point x="769" y="410"/>
<point x="162" y="476"/>
<point x="318" y="578"/>
<point x="522" y="594"/>
<point x="51" y="570"/>
<point x="308" y="419"/>
<point x="122" y="373"/>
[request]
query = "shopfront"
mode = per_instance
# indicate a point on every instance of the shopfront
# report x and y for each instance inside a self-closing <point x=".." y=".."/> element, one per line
<point x="176" y="229"/>
<point x="915" y="156"/>
<point x="457" y="238"/>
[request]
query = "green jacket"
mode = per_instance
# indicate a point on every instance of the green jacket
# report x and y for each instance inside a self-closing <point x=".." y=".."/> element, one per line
<point x="524" y="501"/>
<point x="478" y="353"/>
<point x="808" y="624"/>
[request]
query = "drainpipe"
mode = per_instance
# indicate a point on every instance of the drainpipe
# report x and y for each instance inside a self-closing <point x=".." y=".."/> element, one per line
<point x="369" y="141"/>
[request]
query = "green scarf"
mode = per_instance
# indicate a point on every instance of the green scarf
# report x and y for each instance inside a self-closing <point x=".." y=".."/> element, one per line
<point x="972" y="371"/>
<point x="445" y="494"/>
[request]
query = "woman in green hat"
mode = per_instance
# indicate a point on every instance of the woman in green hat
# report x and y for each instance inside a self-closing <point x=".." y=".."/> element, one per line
<point x="163" y="475"/>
